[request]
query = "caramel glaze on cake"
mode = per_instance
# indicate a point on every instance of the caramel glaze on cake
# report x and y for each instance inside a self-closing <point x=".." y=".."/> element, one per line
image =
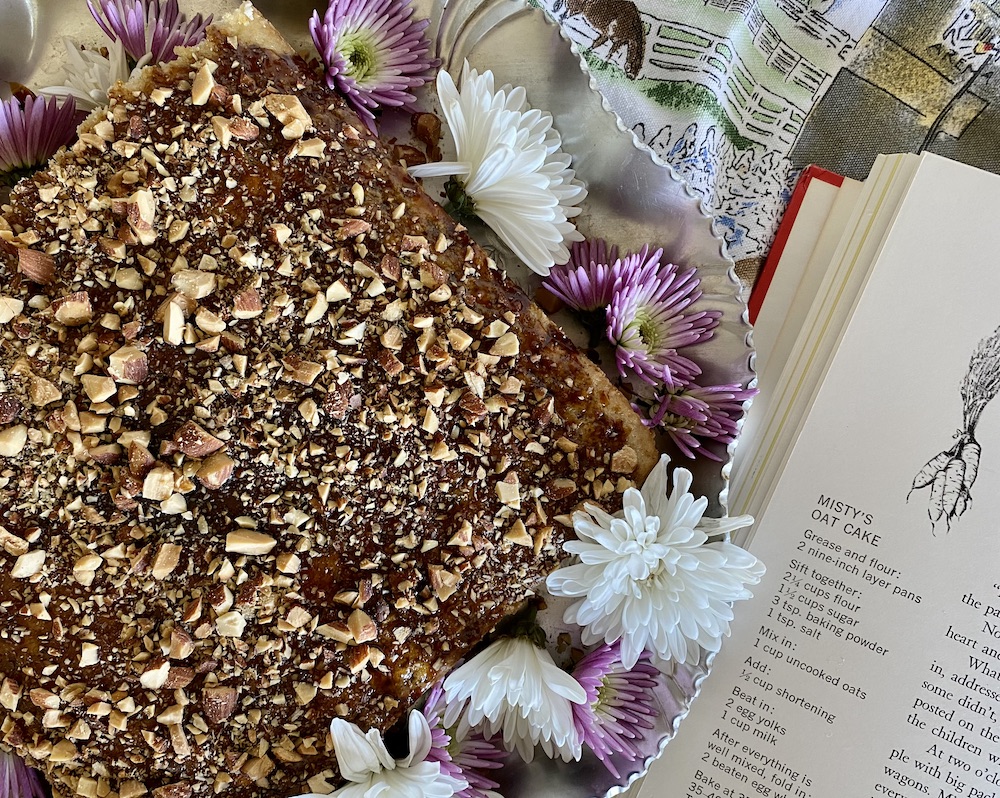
<point x="278" y="442"/>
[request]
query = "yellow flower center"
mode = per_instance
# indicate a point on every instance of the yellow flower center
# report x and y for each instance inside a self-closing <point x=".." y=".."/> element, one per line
<point x="358" y="49"/>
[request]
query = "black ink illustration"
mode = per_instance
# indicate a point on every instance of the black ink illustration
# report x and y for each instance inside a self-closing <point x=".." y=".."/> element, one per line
<point x="951" y="474"/>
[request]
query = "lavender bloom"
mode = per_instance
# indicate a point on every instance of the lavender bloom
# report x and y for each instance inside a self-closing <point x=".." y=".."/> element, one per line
<point x="31" y="133"/>
<point x="17" y="780"/>
<point x="647" y="322"/>
<point x="374" y="51"/>
<point x="588" y="280"/>
<point x="148" y="27"/>
<point x="620" y="706"/>
<point x="462" y="756"/>
<point x="696" y="414"/>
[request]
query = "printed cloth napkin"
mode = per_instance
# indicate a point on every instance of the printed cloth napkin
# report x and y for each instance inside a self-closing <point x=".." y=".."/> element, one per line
<point x="739" y="95"/>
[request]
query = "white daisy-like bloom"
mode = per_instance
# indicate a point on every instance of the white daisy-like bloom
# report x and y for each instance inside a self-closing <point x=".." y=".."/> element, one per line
<point x="89" y="75"/>
<point x="514" y="687"/>
<point x="510" y="167"/>
<point x="371" y="771"/>
<point x="647" y="575"/>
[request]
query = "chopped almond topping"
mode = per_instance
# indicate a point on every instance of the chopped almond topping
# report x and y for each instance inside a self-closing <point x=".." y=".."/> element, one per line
<point x="73" y="310"/>
<point x="192" y="439"/>
<point x="36" y="266"/>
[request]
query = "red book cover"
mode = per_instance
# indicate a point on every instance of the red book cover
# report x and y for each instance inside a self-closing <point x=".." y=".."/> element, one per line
<point x="763" y="281"/>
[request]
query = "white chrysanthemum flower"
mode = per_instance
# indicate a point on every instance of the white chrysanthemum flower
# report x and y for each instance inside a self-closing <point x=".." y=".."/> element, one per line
<point x="89" y="75"/>
<point x="372" y="772"/>
<point x="647" y="576"/>
<point x="514" y="686"/>
<point x="509" y="168"/>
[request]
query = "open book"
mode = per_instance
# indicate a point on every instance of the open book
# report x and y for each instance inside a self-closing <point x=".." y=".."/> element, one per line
<point x="868" y="663"/>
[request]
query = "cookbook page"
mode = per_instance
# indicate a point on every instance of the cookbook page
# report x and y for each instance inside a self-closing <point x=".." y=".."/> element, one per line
<point x="868" y="664"/>
<point x="777" y="412"/>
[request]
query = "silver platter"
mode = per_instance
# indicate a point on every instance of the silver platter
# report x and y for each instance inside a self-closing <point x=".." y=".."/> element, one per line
<point x="634" y="199"/>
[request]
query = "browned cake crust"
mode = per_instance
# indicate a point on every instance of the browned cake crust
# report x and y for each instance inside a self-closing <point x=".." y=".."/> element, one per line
<point x="277" y="441"/>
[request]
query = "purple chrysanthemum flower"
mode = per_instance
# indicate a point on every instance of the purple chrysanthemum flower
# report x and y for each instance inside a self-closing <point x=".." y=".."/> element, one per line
<point x="148" y="27"/>
<point x="587" y="281"/>
<point x="647" y="323"/>
<point x="17" y="780"/>
<point x="620" y="705"/>
<point x="374" y="51"/>
<point x="695" y="414"/>
<point x="31" y="133"/>
<point x="462" y="756"/>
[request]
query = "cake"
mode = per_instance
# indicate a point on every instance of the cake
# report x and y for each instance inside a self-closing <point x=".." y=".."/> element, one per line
<point x="278" y="441"/>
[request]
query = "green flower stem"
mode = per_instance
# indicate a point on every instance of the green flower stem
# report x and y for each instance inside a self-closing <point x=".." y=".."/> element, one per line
<point x="460" y="205"/>
<point x="11" y="178"/>
<point x="525" y="624"/>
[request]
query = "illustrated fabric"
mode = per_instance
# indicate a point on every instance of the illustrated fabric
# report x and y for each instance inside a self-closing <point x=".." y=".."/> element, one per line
<point x="739" y="95"/>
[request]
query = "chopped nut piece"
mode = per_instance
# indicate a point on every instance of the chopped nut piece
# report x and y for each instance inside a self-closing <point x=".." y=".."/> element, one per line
<point x="362" y="627"/>
<point x="42" y="392"/>
<point x="247" y="304"/>
<point x="140" y="459"/>
<point x="288" y="110"/>
<point x="181" y="644"/>
<point x="63" y="751"/>
<point x="352" y="228"/>
<point x="192" y="439"/>
<point x="201" y="88"/>
<point x="507" y="345"/>
<point x="463" y="537"/>
<point x="222" y="128"/>
<point x="230" y="624"/>
<point x="158" y="484"/>
<point x="178" y="230"/>
<point x="129" y="365"/>
<point x="509" y="492"/>
<point x="459" y="339"/>
<point x="317" y="309"/>
<point x="155" y="675"/>
<point x="216" y="470"/>
<point x="89" y="655"/>
<point x="519" y="534"/>
<point x="13" y="440"/>
<point x="10" y="308"/>
<point x="209" y="321"/>
<point x="288" y="563"/>
<point x="167" y="559"/>
<point x="36" y="266"/>
<point x="243" y="129"/>
<point x="11" y="543"/>
<point x="129" y="279"/>
<point x="10" y="694"/>
<point x="73" y="310"/>
<point x="132" y="789"/>
<point x="246" y="541"/>
<point x="305" y="693"/>
<point x="173" y="324"/>
<point x="27" y="565"/>
<point x="443" y="582"/>
<point x="218" y="703"/>
<point x="301" y="371"/>
<point x="624" y="461"/>
<point x="307" y="148"/>
<point x="335" y="631"/>
<point x="194" y="283"/>
<point x="141" y="214"/>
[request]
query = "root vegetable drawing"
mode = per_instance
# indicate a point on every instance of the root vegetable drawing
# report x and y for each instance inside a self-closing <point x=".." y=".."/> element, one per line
<point x="951" y="474"/>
